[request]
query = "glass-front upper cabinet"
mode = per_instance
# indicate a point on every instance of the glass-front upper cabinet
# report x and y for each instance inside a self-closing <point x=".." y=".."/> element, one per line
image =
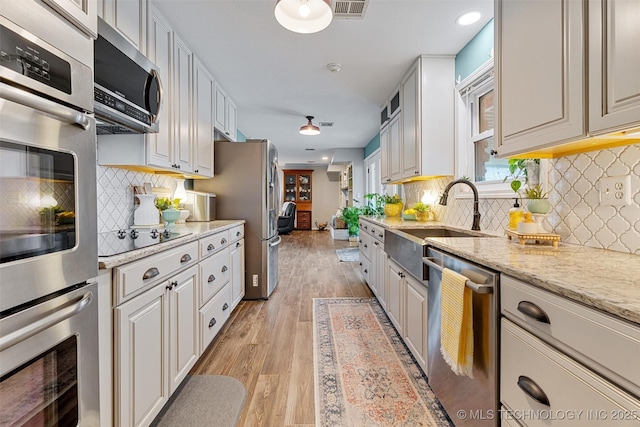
<point x="304" y="187"/>
<point x="297" y="186"/>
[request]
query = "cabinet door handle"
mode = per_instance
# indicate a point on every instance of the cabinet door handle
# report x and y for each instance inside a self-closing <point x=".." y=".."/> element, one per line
<point x="172" y="285"/>
<point x="223" y="241"/>
<point x="365" y="270"/>
<point x="530" y="309"/>
<point x="225" y="306"/>
<point x="365" y="245"/>
<point x="150" y="273"/>
<point x="211" y="278"/>
<point x="212" y="322"/>
<point x="531" y="388"/>
<point x="224" y="268"/>
<point x="375" y="243"/>
<point x="400" y="273"/>
<point x="210" y="247"/>
<point x="185" y="258"/>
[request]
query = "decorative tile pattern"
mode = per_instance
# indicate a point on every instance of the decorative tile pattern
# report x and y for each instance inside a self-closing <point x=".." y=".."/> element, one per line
<point x="576" y="214"/>
<point x="115" y="195"/>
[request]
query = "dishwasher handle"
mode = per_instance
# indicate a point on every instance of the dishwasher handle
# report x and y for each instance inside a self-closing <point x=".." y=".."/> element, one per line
<point x="475" y="287"/>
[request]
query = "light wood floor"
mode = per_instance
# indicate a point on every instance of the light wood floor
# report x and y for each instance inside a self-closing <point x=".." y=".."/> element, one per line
<point x="268" y="345"/>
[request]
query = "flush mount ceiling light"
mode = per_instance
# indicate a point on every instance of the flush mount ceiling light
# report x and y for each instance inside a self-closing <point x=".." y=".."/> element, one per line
<point x="468" y="18"/>
<point x="310" y="128"/>
<point x="304" y="16"/>
<point x="334" y="67"/>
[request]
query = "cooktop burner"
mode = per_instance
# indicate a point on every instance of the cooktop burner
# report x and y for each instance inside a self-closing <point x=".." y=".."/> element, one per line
<point x="117" y="242"/>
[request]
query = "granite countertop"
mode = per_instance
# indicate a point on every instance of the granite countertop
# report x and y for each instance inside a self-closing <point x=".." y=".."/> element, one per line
<point x="603" y="279"/>
<point x="198" y="230"/>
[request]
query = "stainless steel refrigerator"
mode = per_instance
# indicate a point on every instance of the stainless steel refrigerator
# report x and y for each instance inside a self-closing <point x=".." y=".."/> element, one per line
<point x="246" y="184"/>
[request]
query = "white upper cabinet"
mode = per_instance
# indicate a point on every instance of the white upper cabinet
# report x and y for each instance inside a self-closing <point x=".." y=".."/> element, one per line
<point x="614" y="65"/>
<point x="129" y="17"/>
<point x="549" y="100"/>
<point x="225" y="114"/>
<point x="182" y="105"/>
<point x="83" y="14"/>
<point x="203" y="135"/>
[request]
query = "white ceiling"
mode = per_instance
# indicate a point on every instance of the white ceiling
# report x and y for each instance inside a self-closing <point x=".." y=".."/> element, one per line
<point x="276" y="77"/>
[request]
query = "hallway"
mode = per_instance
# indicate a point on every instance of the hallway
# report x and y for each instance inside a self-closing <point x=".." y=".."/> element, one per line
<point x="268" y="345"/>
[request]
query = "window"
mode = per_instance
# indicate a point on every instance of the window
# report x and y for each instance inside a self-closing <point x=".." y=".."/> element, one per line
<point x="475" y="145"/>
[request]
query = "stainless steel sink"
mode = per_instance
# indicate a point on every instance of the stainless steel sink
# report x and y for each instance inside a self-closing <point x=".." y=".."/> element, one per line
<point x="407" y="246"/>
<point x="438" y="232"/>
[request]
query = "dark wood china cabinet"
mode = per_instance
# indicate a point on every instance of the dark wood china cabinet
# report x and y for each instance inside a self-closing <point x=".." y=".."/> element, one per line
<point x="297" y="189"/>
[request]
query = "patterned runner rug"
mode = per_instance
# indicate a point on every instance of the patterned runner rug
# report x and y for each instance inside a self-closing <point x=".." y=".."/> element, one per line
<point x="364" y="374"/>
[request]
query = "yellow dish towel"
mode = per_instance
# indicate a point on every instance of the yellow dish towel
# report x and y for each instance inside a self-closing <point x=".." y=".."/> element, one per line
<point x="456" y="332"/>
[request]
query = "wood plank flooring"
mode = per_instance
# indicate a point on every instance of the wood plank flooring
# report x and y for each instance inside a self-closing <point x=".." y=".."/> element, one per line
<point x="268" y="345"/>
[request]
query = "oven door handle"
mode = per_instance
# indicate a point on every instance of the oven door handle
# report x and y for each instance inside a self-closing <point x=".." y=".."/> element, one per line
<point x="475" y="287"/>
<point x="63" y="313"/>
<point x="61" y="112"/>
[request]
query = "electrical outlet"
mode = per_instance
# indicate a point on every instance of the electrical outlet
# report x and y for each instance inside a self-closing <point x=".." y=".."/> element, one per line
<point x="255" y="280"/>
<point x="615" y="190"/>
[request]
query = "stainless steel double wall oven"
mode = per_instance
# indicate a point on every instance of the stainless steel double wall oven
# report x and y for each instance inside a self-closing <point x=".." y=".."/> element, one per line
<point x="48" y="244"/>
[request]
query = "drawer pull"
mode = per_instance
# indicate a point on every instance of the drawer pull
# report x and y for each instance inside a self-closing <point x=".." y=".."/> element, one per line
<point x="530" y="309"/>
<point x="365" y="270"/>
<point x="224" y="268"/>
<point x="365" y="245"/>
<point x="211" y="278"/>
<point x="210" y="247"/>
<point x="238" y="234"/>
<point x="376" y="243"/>
<point x="530" y="387"/>
<point x="185" y="258"/>
<point x="225" y="306"/>
<point x="223" y="241"/>
<point x="381" y="235"/>
<point x="150" y="273"/>
<point x="212" y="322"/>
<point x="238" y="245"/>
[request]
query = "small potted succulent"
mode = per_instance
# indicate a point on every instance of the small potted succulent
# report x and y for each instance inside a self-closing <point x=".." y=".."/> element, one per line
<point x="422" y="211"/>
<point x="538" y="202"/>
<point x="392" y="205"/>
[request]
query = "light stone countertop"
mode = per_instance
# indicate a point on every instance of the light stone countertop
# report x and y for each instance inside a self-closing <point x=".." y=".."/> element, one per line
<point x="603" y="279"/>
<point x="198" y="230"/>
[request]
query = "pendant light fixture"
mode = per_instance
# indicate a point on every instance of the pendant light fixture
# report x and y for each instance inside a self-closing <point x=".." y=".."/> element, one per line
<point x="309" y="128"/>
<point x="304" y="16"/>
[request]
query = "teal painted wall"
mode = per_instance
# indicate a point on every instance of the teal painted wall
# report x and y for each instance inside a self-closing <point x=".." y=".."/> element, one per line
<point x="240" y="136"/>
<point x="475" y="53"/>
<point x="372" y="146"/>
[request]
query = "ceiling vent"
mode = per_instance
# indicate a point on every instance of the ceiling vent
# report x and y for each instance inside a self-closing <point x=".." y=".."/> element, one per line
<point x="349" y="9"/>
<point x="325" y="124"/>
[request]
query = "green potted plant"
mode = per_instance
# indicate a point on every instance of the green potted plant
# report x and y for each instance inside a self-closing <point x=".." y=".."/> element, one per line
<point x="538" y="202"/>
<point x="422" y="211"/>
<point x="522" y="170"/>
<point x="374" y="205"/>
<point x="392" y="205"/>
<point x="350" y="215"/>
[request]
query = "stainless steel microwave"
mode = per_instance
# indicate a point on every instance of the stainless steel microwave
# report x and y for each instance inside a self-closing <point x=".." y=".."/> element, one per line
<point x="127" y="91"/>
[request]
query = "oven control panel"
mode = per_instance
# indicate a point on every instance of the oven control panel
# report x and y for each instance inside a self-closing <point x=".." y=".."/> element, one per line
<point x="26" y="57"/>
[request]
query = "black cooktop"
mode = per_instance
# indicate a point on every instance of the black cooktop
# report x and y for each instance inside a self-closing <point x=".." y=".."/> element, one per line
<point x="117" y="242"/>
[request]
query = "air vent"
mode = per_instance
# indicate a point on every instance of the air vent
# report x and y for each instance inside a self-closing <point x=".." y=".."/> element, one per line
<point x="309" y="149"/>
<point x="325" y="124"/>
<point x="349" y="9"/>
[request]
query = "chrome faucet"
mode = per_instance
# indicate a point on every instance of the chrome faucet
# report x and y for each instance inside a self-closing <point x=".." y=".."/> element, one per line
<point x="476" y="212"/>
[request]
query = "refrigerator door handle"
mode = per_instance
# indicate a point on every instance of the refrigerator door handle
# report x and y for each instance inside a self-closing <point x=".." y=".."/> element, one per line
<point x="276" y="243"/>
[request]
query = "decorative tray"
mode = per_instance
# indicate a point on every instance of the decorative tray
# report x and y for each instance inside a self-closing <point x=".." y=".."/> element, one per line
<point x="535" y="237"/>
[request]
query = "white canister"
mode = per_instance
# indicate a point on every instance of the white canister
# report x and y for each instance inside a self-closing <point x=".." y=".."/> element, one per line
<point x="146" y="213"/>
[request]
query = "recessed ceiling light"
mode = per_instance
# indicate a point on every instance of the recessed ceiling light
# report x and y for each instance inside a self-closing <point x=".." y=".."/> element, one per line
<point x="468" y="18"/>
<point x="325" y="158"/>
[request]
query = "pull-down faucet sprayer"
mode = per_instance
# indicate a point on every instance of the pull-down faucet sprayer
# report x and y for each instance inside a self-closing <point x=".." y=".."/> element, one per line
<point x="476" y="212"/>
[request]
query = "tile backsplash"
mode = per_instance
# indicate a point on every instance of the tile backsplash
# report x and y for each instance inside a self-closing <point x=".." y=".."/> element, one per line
<point x="576" y="214"/>
<point x="115" y="195"/>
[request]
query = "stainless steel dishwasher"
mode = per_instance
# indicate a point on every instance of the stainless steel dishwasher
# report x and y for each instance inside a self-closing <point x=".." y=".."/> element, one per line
<point x="468" y="401"/>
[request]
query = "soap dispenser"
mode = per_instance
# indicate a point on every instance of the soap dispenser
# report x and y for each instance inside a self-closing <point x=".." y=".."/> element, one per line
<point x="516" y="214"/>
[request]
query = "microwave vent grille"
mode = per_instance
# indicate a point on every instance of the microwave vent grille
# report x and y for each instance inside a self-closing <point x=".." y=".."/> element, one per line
<point x="109" y="129"/>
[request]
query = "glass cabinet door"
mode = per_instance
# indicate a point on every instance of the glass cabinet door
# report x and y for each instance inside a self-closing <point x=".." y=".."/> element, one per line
<point x="304" y="187"/>
<point x="290" y="188"/>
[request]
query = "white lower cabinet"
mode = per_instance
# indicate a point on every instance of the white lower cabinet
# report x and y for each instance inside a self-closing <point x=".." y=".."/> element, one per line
<point x="539" y="386"/>
<point x="141" y="352"/>
<point x="237" y="272"/>
<point x="415" y="325"/>
<point x="213" y="315"/>
<point x="395" y="295"/>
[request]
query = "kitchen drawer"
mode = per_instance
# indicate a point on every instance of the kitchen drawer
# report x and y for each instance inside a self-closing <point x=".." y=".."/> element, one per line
<point x="507" y="419"/>
<point x="585" y="333"/>
<point x="214" y="274"/>
<point x="376" y="231"/>
<point x="567" y="386"/>
<point x="303" y="220"/>
<point x="237" y="232"/>
<point x="211" y="244"/>
<point x="366" y="246"/>
<point x="213" y="315"/>
<point x="135" y="277"/>
<point x="365" y="267"/>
